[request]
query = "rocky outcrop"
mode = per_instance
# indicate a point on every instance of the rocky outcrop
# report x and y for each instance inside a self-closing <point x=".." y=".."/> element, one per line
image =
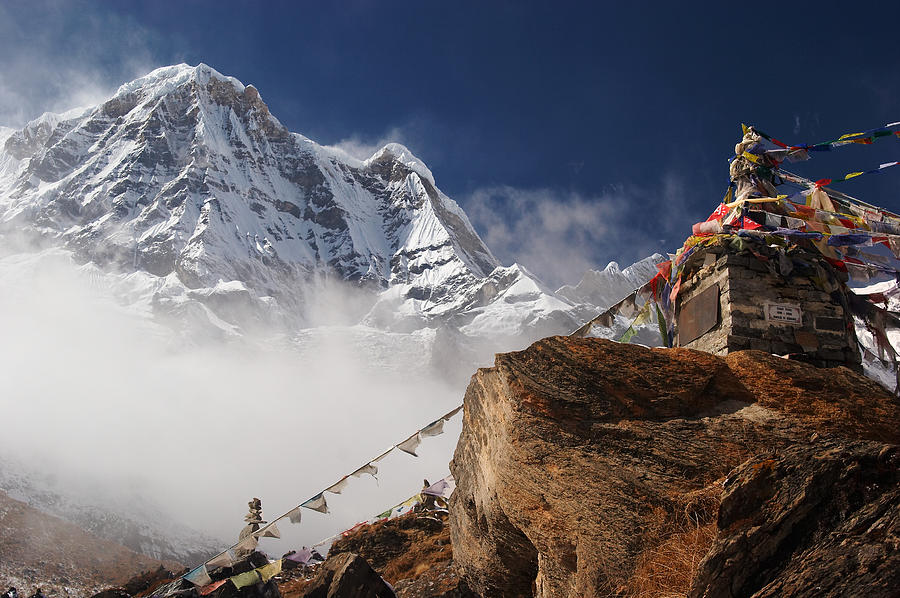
<point x="591" y="468"/>
<point x="346" y="575"/>
<point x="411" y="552"/>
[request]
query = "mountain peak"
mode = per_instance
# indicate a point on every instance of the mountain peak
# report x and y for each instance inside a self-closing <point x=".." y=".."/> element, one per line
<point x="402" y="154"/>
<point x="168" y="77"/>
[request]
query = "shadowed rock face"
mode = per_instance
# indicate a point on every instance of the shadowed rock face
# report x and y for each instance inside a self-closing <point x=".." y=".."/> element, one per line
<point x="591" y="468"/>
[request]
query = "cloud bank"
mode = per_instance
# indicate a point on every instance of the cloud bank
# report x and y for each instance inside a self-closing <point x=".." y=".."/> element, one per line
<point x="559" y="235"/>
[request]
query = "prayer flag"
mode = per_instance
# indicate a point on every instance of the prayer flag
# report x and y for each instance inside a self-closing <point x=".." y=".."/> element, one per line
<point x="209" y="589"/>
<point x="199" y="576"/>
<point x="302" y="556"/>
<point x="295" y="515"/>
<point x="848" y="239"/>
<point x="269" y="531"/>
<point x="267" y="572"/>
<point x="367" y="468"/>
<point x="626" y="338"/>
<point x="452" y="413"/>
<point x="410" y="444"/>
<point x="226" y="559"/>
<point x="248" y="544"/>
<point x="433" y="429"/>
<point x="317" y="503"/>
<point x="245" y="579"/>
<point x="439" y="488"/>
<point x="338" y="486"/>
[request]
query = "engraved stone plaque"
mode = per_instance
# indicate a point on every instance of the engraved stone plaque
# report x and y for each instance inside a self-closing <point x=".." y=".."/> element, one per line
<point x="784" y="313"/>
<point x="698" y="315"/>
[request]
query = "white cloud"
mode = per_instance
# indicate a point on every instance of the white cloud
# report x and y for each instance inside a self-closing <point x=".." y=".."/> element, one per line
<point x="559" y="235"/>
<point x="97" y="394"/>
<point x="67" y="58"/>
<point x="361" y="148"/>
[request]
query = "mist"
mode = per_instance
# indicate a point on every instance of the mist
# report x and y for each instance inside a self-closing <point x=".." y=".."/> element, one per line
<point x="116" y="407"/>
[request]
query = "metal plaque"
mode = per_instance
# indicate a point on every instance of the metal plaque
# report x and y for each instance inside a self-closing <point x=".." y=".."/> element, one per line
<point x="698" y="315"/>
<point x="784" y="313"/>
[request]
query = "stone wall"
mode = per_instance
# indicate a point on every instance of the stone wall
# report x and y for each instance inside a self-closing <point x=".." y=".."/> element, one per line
<point x="759" y="308"/>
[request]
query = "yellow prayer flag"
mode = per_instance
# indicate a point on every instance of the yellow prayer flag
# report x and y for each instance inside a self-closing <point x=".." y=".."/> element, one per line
<point x="644" y="316"/>
<point x="851" y="175"/>
<point x="245" y="579"/>
<point x="267" y="572"/>
<point x="848" y="135"/>
<point x="744" y="128"/>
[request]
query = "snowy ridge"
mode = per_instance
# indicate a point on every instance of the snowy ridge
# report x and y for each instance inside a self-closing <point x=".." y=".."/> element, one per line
<point x="184" y="173"/>
<point x="605" y="288"/>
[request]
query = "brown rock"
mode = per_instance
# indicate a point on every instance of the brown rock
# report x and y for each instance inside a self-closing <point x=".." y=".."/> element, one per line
<point x="346" y="575"/>
<point x="592" y="468"/>
<point x="819" y="520"/>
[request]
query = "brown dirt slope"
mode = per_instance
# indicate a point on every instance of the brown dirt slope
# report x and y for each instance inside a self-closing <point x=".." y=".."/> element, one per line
<point x="40" y="550"/>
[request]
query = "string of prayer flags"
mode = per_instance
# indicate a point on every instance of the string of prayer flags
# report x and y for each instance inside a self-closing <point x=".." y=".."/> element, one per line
<point x="864" y="138"/>
<point x="317" y="503"/>
<point x="199" y="576"/>
<point x="411" y="444"/>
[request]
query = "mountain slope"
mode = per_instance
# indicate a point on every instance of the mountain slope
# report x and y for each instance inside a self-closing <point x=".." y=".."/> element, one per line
<point x="184" y="174"/>
<point x="37" y="549"/>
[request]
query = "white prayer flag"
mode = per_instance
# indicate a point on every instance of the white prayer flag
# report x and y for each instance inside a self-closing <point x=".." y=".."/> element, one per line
<point x="367" y="468"/>
<point x="338" y="486"/>
<point x="433" y="429"/>
<point x="317" y="503"/>
<point x="410" y="444"/>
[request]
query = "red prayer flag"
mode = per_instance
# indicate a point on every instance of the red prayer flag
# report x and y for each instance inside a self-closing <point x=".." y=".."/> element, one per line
<point x="722" y="210"/>
<point x="750" y="225"/>
<point x="823" y="182"/>
<point x="665" y="269"/>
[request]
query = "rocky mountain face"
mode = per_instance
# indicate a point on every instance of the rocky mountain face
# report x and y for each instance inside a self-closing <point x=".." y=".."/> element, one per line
<point x="184" y="174"/>
<point x="590" y="468"/>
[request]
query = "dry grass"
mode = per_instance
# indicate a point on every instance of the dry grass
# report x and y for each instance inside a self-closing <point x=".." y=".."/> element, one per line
<point x="684" y="535"/>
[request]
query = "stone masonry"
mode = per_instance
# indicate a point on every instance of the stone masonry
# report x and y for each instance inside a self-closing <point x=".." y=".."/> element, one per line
<point x="765" y="303"/>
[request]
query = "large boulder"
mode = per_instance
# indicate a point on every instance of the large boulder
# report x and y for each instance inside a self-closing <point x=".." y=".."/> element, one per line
<point x="592" y="468"/>
<point x="347" y="575"/>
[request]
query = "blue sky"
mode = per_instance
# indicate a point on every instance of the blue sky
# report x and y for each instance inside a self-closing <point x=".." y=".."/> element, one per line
<point x="573" y="133"/>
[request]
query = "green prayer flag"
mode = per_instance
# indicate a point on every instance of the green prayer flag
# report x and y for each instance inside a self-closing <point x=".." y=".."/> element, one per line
<point x="661" y="323"/>
<point x="626" y="338"/>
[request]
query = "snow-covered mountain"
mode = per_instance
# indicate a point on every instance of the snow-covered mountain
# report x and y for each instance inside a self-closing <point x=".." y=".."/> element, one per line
<point x="191" y="205"/>
<point x="185" y="175"/>
<point x="606" y="287"/>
